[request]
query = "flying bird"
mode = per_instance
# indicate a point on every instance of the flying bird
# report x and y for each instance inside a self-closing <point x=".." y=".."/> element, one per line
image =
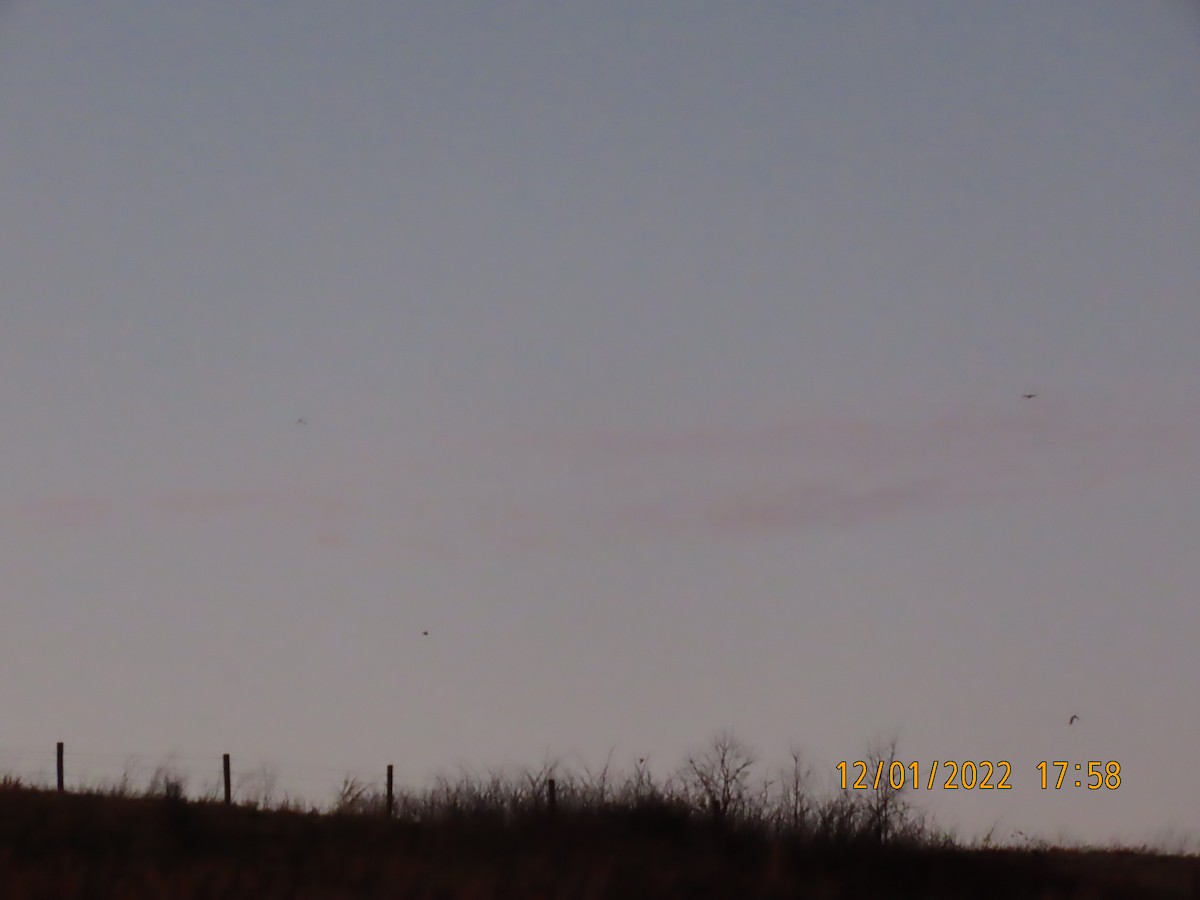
<point x="1029" y="396"/>
<point x="425" y="633"/>
<point x="1072" y="720"/>
<point x="301" y="422"/>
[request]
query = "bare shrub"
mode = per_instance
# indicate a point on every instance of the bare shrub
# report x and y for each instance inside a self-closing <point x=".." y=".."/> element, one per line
<point x="130" y="775"/>
<point x="719" y="777"/>
<point x="165" y="783"/>
<point x="890" y="815"/>
<point x="532" y="786"/>
<point x="840" y="819"/>
<point x="591" y="789"/>
<point x="794" y="808"/>
<point x="470" y="795"/>
<point x="640" y="786"/>
<point x="257" y="788"/>
<point x="356" y="798"/>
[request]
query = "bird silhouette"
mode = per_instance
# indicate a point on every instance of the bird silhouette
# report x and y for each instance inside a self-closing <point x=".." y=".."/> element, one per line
<point x="301" y="422"/>
<point x="1072" y="720"/>
<point x="1029" y="396"/>
<point x="425" y="633"/>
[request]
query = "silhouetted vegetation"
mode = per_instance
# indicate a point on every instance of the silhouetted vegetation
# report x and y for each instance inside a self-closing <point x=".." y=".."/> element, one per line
<point x="709" y="830"/>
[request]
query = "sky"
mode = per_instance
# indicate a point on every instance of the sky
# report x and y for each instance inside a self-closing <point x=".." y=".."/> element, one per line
<point x="663" y="361"/>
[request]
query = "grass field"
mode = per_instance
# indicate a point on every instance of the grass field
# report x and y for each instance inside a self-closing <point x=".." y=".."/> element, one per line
<point x="498" y="837"/>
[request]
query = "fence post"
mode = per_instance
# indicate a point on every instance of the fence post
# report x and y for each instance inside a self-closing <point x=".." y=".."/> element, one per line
<point x="391" y="802"/>
<point x="61" y="786"/>
<point x="551" y="792"/>
<point x="228" y="784"/>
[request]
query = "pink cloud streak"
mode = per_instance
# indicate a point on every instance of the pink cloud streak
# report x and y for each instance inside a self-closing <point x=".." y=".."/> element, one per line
<point x="203" y="504"/>
<point x="790" y="475"/>
<point x="79" y="511"/>
<point x="69" y="511"/>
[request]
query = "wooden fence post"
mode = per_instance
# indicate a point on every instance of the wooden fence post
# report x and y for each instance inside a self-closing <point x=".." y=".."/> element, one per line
<point x="61" y="786"/>
<point x="391" y="801"/>
<point x="228" y="784"/>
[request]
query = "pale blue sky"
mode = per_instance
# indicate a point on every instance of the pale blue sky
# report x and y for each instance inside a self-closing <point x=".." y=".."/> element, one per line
<point x="664" y="361"/>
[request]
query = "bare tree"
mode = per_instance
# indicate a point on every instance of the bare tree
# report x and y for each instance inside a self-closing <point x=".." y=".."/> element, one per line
<point x="720" y="776"/>
<point x="890" y="815"/>
<point x="795" y="809"/>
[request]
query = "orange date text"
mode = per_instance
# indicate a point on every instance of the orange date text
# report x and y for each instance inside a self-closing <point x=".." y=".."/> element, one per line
<point x="947" y="775"/>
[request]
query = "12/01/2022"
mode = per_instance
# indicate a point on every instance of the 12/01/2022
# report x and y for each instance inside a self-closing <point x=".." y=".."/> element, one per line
<point x="949" y="775"/>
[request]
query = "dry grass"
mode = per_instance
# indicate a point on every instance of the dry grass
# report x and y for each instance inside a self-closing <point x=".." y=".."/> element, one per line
<point x="708" y="831"/>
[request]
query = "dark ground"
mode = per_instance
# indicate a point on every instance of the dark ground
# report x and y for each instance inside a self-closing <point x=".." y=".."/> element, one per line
<point x="95" y="846"/>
